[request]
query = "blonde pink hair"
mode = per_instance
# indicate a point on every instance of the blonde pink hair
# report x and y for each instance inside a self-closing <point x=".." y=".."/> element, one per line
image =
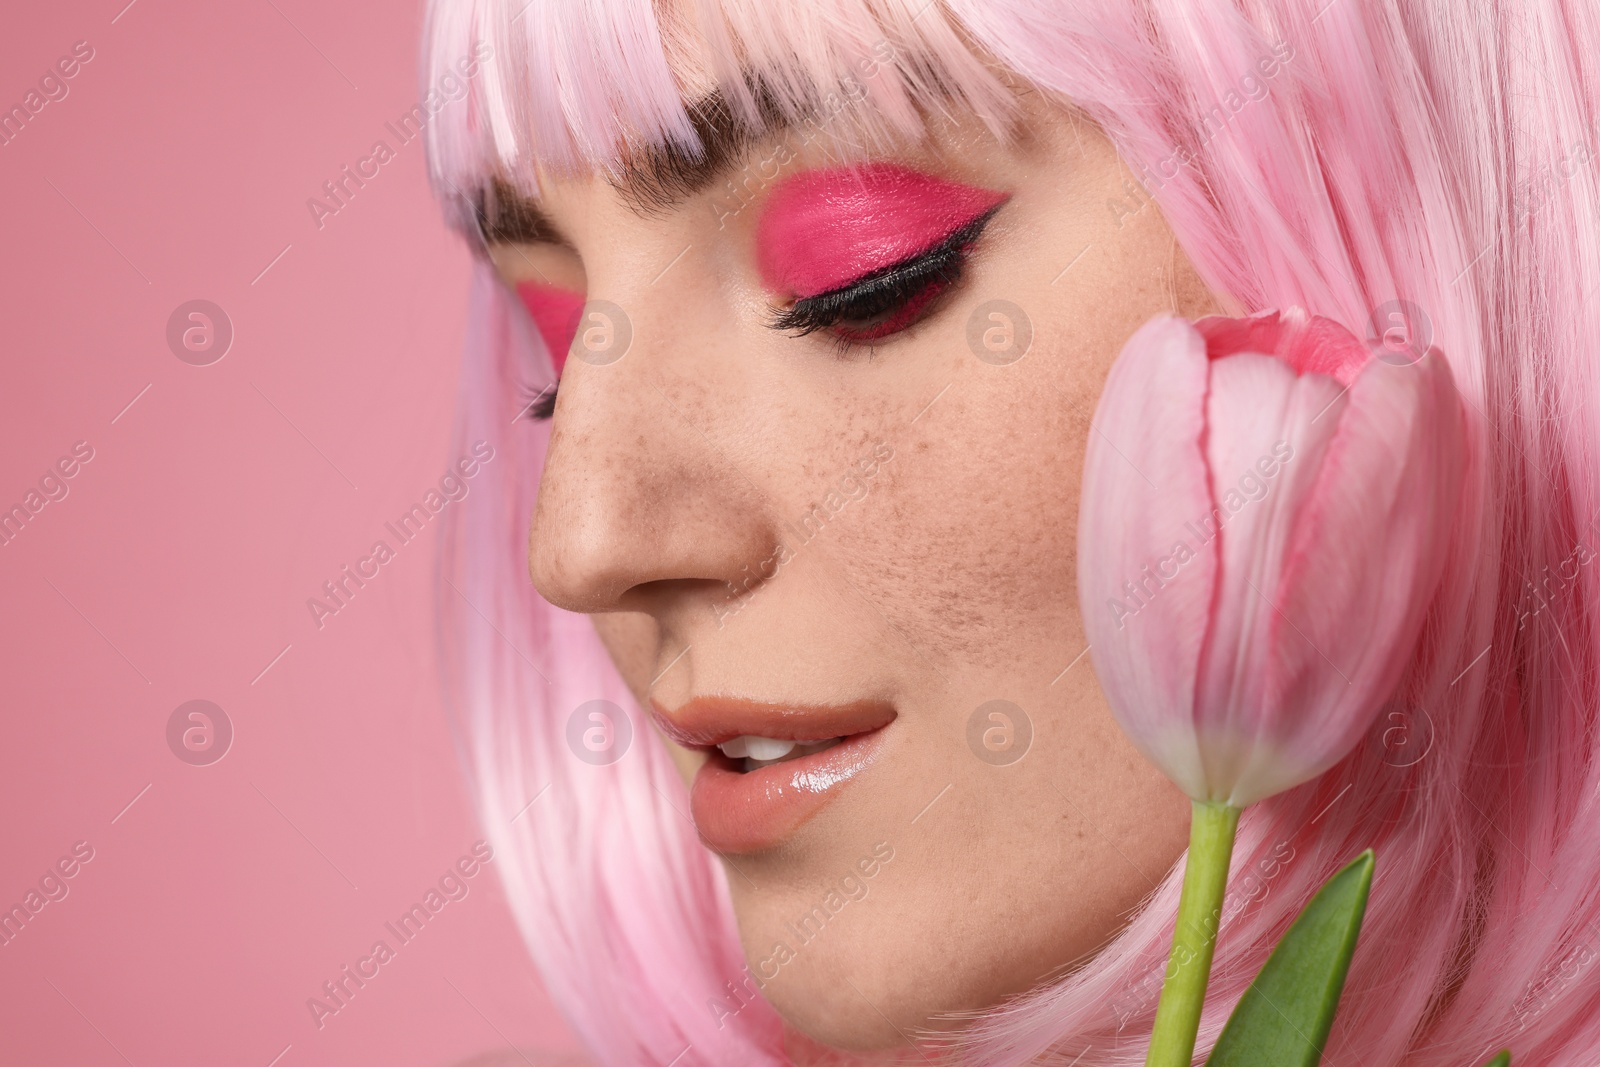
<point x="1419" y="158"/>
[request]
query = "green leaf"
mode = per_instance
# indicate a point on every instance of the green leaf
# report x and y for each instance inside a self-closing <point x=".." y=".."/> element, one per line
<point x="1284" y="1017"/>
<point x="1502" y="1059"/>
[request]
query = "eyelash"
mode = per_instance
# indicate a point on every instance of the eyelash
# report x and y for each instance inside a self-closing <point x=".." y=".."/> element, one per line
<point x="905" y="291"/>
<point x="537" y="405"/>
<point x="909" y="289"/>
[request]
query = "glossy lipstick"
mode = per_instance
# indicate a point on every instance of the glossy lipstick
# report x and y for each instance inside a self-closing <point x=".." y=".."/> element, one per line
<point x="746" y="811"/>
<point x="823" y="229"/>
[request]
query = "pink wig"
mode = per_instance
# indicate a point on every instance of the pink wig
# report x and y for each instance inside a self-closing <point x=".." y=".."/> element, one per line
<point x="1423" y="151"/>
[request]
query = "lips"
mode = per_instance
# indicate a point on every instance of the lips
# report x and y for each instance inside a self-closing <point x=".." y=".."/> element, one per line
<point x="737" y="810"/>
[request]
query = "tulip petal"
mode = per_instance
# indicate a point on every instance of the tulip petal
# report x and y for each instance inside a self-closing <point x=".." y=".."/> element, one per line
<point x="1366" y="557"/>
<point x="1268" y="431"/>
<point x="1315" y="345"/>
<point x="1227" y="336"/>
<point x="1145" y="582"/>
<point x="1308" y="343"/>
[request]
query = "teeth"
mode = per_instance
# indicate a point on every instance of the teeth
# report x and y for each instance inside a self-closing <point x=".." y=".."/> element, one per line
<point x="757" y="748"/>
<point x="759" y="751"/>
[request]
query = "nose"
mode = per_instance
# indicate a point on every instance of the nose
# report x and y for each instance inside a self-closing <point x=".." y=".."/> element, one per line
<point x="636" y="489"/>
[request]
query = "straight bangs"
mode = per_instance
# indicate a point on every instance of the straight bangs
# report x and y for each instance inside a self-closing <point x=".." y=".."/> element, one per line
<point x="574" y="88"/>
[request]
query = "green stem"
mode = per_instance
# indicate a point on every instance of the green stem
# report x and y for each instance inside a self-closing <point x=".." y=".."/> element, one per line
<point x="1205" y="880"/>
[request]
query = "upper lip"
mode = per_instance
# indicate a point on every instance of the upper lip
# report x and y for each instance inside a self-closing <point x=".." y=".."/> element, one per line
<point x="706" y="721"/>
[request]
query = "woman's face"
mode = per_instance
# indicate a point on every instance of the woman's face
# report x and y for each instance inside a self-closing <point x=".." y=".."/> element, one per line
<point x="865" y="533"/>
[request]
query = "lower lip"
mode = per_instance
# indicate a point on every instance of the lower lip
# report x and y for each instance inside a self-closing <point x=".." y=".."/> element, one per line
<point x="747" y="812"/>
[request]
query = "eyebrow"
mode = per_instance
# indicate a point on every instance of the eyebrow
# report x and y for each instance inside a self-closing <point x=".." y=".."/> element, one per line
<point x="654" y="178"/>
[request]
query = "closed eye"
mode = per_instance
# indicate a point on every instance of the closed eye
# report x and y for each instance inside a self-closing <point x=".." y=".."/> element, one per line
<point x="888" y="300"/>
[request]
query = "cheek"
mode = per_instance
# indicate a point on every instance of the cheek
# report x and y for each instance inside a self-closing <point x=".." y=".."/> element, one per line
<point x="632" y="640"/>
<point x="630" y="637"/>
<point x="993" y="485"/>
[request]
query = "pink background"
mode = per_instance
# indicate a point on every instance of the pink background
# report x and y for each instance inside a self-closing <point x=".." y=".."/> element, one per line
<point x="179" y="564"/>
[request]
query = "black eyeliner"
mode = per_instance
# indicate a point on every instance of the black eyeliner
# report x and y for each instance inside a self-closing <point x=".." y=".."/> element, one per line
<point x="888" y="287"/>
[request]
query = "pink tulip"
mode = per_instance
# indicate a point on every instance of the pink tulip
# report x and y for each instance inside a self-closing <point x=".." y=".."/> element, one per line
<point x="1265" y="514"/>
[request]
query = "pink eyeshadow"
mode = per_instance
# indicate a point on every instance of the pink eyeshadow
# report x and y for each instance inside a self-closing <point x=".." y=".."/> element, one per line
<point x="823" y="229"/>
<point x="555" y="312"/>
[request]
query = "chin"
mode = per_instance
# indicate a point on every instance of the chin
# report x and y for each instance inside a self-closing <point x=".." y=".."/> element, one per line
<point x="861" y="992"/>
<point x="908" y="957"/>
